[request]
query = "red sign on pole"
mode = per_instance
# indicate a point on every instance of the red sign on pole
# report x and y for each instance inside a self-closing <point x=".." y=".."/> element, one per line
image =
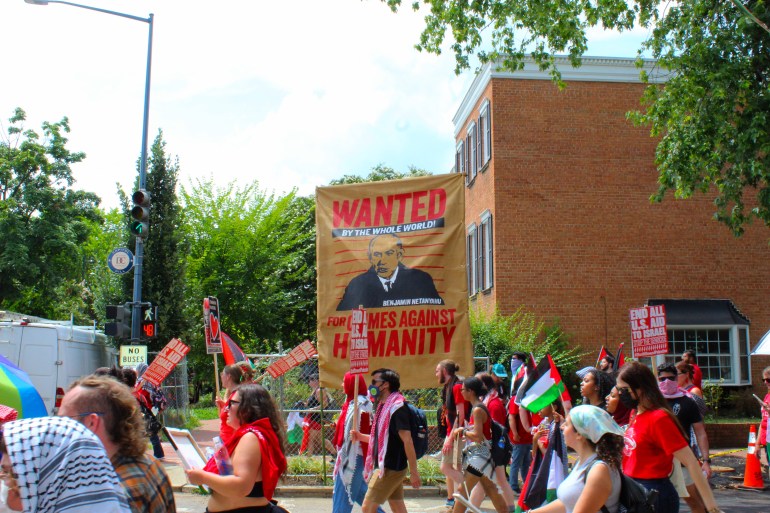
<point x="165" y="362"/>
<point x="211" y="325"/>
<point x="359" y="342"/>
<point x="299" y="354"/>
<point x="648" y="331"/>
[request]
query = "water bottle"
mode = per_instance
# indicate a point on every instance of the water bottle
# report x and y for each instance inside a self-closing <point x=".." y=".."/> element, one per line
<point x="221" y="458"/>
<point x="501" y="442"/>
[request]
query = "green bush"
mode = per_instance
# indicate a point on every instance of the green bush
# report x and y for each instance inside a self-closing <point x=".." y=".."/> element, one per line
<point x="498" y="336"/>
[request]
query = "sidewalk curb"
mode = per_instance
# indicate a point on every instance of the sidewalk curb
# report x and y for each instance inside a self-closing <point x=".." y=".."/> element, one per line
<point x="325" y="492"/>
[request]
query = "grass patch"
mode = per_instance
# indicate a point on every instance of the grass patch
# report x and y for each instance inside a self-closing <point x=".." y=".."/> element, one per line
<point x="311" y="469"/>
<point x="206" y="413"/>
<point x="710" y="419"/>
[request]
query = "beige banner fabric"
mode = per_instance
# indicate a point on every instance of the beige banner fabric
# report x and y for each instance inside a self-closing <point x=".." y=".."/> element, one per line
<point x="397" y="249"/>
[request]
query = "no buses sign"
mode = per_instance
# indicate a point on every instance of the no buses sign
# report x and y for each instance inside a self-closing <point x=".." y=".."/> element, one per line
<point x="131" y="356"/>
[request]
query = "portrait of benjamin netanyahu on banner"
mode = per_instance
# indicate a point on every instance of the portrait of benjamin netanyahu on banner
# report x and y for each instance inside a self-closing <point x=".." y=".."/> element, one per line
<point x="397" y="249"/>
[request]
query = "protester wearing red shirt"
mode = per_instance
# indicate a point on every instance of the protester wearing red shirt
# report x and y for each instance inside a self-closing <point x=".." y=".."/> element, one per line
<point x="494" y="405"/>
<point x="697" y="375"/>
<point x="653" y="438"/>
<point x="456" y="412"/>
<point x="762" y="439"/>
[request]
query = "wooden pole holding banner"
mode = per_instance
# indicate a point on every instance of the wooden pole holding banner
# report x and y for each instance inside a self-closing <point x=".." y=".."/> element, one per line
<point x="355" y="402"/>
<point x="216" y="372"/>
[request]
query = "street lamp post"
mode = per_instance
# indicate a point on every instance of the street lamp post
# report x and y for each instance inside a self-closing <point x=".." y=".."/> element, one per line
<point x="139" y="250"/>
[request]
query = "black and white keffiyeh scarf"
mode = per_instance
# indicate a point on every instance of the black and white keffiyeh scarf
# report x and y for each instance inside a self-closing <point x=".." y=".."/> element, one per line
<point x="61" y="466"/>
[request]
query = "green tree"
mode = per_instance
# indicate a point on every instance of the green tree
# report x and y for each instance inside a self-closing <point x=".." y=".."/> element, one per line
<point x="255" y="253"/>
<point x="43" y="222"/>
<point x="712" y="115"/>
<point x="379" y="173"/>
<point x="165" y="250"/>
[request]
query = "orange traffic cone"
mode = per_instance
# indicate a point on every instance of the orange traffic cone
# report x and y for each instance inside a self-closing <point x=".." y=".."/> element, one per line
<point x="752" y="477"/>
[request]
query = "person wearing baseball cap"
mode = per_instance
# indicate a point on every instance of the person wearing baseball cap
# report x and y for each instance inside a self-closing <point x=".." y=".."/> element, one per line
<point x="498" y="376"/>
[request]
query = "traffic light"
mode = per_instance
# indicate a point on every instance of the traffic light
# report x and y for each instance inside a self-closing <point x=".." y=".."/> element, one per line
<point x="121" y="314"/>
<point x="149" y="328"/>
<point x="140" y="214"/>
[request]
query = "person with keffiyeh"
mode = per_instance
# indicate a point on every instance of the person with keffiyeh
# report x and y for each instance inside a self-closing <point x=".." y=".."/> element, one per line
<point x="349" y="484"/>
<point x="391" y="449"/>
<point x="257" y="453"/>
<point x="56" y="465"/>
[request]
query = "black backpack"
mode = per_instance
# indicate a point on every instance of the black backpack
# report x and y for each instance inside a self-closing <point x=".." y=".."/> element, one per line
<point x="634" y="498"/>
<point x="418" y="423"/>
<point x="501" y="446"/>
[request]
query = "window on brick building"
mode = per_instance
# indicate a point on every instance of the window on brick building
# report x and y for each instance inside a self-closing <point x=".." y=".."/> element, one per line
<point x="460" y="160"/>
<point x="472" y="164"/>
<point x="485" y="134"/>
<point x="485" y="250"/>
<point x="471" y="259"/>
<point x="718" y="333"/>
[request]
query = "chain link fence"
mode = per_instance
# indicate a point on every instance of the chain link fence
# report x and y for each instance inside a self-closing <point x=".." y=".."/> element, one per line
<point x="294" y="396"/>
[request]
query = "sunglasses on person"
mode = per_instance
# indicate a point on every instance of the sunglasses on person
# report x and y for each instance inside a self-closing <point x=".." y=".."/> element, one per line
<point x="664" y="378"/>
<point x="231" y="402"/>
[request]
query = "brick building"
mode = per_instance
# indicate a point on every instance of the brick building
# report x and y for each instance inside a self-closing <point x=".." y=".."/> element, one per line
<point x="560" y="221"/>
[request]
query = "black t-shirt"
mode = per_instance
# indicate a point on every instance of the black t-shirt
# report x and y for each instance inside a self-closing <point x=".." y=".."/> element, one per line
<point x="686" y="411"/>
<point x="395" y="457"/>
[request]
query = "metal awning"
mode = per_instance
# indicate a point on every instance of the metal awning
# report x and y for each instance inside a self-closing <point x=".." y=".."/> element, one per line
<point x="701" y="312"/>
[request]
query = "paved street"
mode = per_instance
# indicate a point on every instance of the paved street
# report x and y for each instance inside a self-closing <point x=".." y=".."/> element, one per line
<point x="731" y="501"/>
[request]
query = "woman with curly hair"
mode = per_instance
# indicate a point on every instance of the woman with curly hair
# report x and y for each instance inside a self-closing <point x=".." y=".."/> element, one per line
<point x="595" y="478"/>
<point x="596" y="385"/>
<point x="257" y="453"/>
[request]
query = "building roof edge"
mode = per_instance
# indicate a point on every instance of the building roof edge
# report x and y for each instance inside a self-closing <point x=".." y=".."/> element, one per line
<point x="592" y="69"/>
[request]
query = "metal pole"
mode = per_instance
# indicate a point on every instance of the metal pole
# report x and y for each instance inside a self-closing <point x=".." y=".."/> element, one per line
<point x="136" y="314"/>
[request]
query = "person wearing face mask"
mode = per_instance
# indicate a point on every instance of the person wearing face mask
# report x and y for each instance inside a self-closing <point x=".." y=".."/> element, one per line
<point x="391" y="449"/>
<point x="349" y="484"/>
<point x="654" y="438"/>
<point x="620" y="412"/>
<point x="688" y="415"/>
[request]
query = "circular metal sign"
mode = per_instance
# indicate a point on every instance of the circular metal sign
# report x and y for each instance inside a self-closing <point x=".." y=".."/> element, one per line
<point x="120" y="261"/>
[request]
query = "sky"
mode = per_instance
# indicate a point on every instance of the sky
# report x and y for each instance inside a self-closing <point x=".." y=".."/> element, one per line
<point x="290" y="94"/>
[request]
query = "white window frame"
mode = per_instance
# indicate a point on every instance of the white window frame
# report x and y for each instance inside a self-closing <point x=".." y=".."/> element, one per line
<point x="471" y="259"/>
<point x="460" y="159"/>
<point x="485" y="132"/>
<point x="739" y="377"/>
<point x="486" y="247"/>
<point x="472" y="158"/>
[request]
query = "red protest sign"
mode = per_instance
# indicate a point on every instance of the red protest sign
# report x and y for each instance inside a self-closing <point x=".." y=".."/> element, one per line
<point x="211" y="325"/>
<point x="296" y="356"/>
<point x="648" y="331"/>
<point x="165" y="362"/>
<point x="359" y="342"/>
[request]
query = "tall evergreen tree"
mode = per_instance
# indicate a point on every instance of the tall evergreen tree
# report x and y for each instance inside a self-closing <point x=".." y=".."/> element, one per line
<point x="163" y="275"/>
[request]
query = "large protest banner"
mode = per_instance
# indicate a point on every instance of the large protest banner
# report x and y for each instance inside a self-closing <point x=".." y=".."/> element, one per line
<point x="397" y="249"/>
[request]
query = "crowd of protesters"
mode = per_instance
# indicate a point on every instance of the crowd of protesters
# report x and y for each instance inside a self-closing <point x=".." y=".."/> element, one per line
<point x="647" y="426"/>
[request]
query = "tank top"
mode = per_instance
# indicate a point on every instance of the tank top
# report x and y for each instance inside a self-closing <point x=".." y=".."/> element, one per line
<point x="572" y="487"/>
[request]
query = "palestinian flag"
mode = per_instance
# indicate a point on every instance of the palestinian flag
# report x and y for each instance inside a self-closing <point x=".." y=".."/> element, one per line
<point x="543" y="386"/>
<point x="620" y="359"/>
<point x="520" y="380"/>
<point x="549" y="475"/>
<point x="602" y="353"/>
<point x="230" y="351"/>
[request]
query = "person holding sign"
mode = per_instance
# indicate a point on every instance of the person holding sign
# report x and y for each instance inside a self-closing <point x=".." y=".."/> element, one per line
<point x="388" y="282"/>
<point x="391" y="449"/>
<point x="349" y="484"/>
<point x="257" y="453"/>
